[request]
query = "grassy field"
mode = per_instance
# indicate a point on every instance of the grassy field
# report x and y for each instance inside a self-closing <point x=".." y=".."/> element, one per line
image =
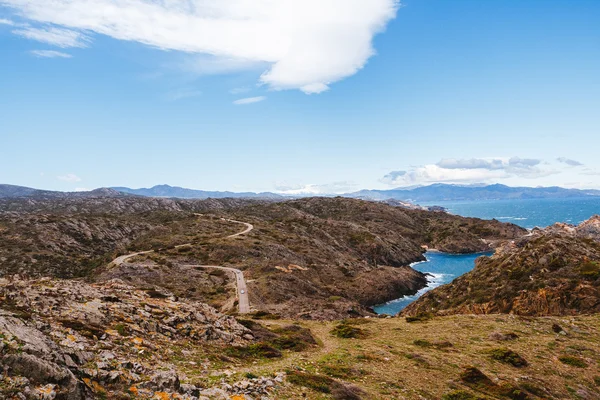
<point x="457" y="357"/>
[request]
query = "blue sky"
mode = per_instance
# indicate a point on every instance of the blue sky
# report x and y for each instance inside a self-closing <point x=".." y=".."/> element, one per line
<point x="290" y="96"/>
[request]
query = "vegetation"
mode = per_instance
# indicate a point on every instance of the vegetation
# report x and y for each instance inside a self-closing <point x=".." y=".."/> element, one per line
<point x="573" y="361"/>
<point x="508" y="357"/>
<point x="347" y="331"/>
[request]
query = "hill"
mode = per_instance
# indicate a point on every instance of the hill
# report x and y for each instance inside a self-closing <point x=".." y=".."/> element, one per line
<point x="183" y="193"/>
<point x="554" y="271"/>
<point x="315" y="257"/>
<point x="12" y="191"/>
<point x="445" y="192"/>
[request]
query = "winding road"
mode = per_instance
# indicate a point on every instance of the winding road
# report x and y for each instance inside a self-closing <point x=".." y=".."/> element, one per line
<point x="242" y="289"/>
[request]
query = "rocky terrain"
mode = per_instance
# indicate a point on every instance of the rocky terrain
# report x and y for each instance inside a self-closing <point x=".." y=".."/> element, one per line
<point x="552" y="271"/>
<point x="143" y="329"/>
<point x="321" y="258"/>
<point x="326" y="258"/>
<point x="64" y="339"/>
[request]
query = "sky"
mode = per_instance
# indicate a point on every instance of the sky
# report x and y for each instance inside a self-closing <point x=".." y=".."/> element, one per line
<point x="290" y="96"/>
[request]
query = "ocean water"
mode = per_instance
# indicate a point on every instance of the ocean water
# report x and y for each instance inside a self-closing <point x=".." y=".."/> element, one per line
<point x="442" y="267"/>
<point x="529" y="213"/>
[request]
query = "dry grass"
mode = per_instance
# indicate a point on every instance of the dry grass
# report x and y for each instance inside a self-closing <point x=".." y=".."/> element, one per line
<point x="428" y="360"/>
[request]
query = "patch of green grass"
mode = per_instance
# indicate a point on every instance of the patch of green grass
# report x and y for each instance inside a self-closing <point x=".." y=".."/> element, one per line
<point x="319" y="383"/>
<point x="436" y="345"/>
<point x="122" y="329"/>
<point x="325" y="384"/>
<point x="257" y="350"/>
<point x="346" y="331"/>
<point x="250" y="375"/>
<point x="590" y="270"/>
<point x="423" y="343"/>
<point x="507" y="356"/>
<point x="421" y="317"/>
<point x="293" y="337"/>
<point x="597" y="380"/>
<point x="573" y="361"/>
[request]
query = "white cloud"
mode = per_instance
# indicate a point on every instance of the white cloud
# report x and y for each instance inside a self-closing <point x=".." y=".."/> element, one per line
<point x="568" y="161"/>
<point x="316" y="189"/>
<point x="306" y="44"/>
<point x="69" y="178"/>
<point x="55" y="36"/>
<point x="49" y="54"/>
<point x="183" y="93"/>
<point x="240" y="90"/>
<point x="249" y="100"/>
<point x="473" y="170"/>
<point x="6" y="22"/>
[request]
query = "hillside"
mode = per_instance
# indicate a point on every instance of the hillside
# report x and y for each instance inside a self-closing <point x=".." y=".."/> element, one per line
<point x="554" y="271"/>
<point x="68" y="340"/>
<point x="321" y="257"/>
<point x="315" y="257"/>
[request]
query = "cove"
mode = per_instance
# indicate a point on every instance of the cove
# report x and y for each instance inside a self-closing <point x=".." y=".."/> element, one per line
<point x="442" y="268"/>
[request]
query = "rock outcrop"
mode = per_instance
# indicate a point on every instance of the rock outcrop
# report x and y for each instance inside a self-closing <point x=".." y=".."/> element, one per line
<point x="70" y="340"/>
<point x="552" y="271"/>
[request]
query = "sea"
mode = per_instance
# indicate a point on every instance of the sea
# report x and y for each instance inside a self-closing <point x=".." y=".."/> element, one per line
<point x="529" y="213"/>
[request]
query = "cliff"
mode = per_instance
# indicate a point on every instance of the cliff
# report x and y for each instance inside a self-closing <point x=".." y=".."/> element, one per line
<point x="552" y="271"/>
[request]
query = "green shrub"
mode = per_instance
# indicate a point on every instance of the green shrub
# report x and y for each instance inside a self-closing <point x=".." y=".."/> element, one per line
<point x="122" y="329"/>
<point x="319" y="383"/>
<point x="257" y="350"/>
<point x="346" y="331"/>
<point x="508" y="357"/>
<point x="422" y="343"/>
<point x="590" y="270"/>
<point x="420" y="317"/>
<point x="573" y="361"/>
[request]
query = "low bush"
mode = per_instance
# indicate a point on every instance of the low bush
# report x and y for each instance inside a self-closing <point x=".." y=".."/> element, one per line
<point x="420" y="317"/>
<point x="573" y="361"/>
<point x="319" y="383"/>
<point x="346" y="331"/>
<point x="507" y="356"/>
<point x="325" y="384"/>
<point x="257" y="350"/>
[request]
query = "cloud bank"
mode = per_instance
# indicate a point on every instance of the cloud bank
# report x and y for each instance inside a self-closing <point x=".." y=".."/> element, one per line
<point x="306" y="44"/>
<point x="474" y="170"/>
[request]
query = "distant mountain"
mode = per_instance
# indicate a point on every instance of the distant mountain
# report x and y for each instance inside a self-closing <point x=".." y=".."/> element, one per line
<point x="445" y="192"/>
<point x="12" y="191"/>
<point x="183" y="193"/>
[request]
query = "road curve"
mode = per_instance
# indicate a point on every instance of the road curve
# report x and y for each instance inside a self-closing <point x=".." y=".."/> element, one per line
<point x="249" y="227"/>
<point x="242" y="289"/>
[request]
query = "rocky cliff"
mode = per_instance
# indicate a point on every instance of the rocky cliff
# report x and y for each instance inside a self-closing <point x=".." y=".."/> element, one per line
<point x="552" y="271"/>
<point x="64" y="339"/>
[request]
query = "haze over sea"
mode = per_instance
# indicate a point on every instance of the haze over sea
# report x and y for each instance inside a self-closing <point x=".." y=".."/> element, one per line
<point x="528" y="213"/>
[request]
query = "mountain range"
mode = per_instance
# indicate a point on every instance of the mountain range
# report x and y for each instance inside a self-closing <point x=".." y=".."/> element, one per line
<point x="431" y="193"/>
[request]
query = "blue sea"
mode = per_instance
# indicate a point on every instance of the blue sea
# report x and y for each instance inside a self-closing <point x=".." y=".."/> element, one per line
<point x="444" y="268"/>
<point x="527" y="213"/>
